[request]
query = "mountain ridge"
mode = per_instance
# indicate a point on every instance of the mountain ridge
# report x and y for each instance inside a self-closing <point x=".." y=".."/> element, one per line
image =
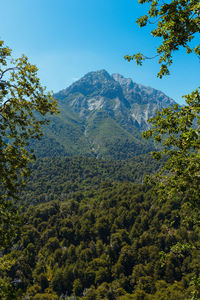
<point x="93" y="89"/>
<point x="103" y="115"/>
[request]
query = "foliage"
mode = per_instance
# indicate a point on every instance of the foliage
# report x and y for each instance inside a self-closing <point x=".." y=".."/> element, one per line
<point x="59" y="177"/>
<point x="108" y="238"/>
<point x="105" y="244"/>
<point x="178" y="130"/>
<point x="21" y="96"/>
<point x="6" y="288"/>
<point x="177" y="23"/>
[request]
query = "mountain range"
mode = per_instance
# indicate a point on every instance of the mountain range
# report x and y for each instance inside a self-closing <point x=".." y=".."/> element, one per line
<point x="102" y="115"/>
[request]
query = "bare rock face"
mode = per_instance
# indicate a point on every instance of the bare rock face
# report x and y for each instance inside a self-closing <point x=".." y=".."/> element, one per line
<point x="102" y="115"/>
<point x="128" y="102"/>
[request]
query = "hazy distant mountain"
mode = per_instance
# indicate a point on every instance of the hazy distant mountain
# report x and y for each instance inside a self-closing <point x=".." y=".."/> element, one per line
<point x="102" y="115"/>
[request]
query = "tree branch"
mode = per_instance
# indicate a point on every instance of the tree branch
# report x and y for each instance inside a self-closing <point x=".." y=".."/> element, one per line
<point x="146" y="57"/>
<point x="3" y="105"/>
<point x="7" y="70"/>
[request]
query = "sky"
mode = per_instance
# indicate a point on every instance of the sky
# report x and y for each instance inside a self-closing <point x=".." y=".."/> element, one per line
<point x="68" y="38"/>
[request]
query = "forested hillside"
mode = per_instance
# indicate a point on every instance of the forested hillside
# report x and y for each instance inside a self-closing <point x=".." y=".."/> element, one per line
<point x="104" y="243"/>
<point x="59" y="177"/>
<point x="91" y="225"/>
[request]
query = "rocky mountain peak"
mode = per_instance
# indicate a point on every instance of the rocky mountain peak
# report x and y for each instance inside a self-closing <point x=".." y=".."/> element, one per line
<point x="94" y="84"/>
<point x="119" y="97"/>
<point x="124" y="82"/>
<point x="103" y="115"/>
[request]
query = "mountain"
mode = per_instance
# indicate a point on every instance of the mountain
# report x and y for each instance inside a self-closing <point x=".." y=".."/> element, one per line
<point x="126" y="101"/>
<point x="102" y="115"/>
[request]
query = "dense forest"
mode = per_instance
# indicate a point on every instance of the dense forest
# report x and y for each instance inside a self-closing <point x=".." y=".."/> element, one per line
<point x="54" y="178"/>
<point x="106" y="237"/>
<point x="92" y="228"/>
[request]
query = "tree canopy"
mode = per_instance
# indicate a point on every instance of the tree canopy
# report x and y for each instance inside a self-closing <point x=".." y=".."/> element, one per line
<point x="177" y="23"/>
<point x="177" y="128"/>
<point x="23" y="106"/>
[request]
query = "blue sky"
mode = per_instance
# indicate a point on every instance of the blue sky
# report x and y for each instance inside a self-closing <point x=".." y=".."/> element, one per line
<point x="68" y="38"/>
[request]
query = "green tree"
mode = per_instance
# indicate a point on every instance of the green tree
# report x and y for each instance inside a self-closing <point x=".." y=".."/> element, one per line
<point x="23" y="106"/>
<point x="177" y="128"/>
<point x="177" y="23"/>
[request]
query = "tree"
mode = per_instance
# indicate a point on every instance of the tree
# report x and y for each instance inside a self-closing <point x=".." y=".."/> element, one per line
<point x="23" y="106"/>
<point x="177" y="128"/>
<point x="177" y="23"/>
